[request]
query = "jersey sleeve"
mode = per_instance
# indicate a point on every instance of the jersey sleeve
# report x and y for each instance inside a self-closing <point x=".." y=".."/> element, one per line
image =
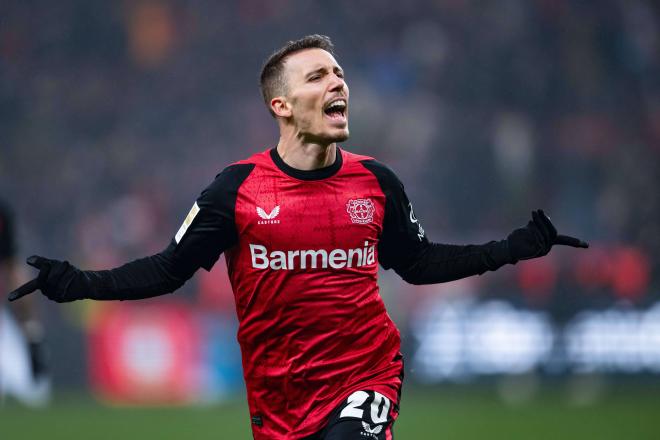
<point x="404" y="246"/>
<point x="208" y="230"/>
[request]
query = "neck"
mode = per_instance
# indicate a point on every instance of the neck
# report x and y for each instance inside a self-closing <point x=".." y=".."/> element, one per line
<point x="306" y="156"/>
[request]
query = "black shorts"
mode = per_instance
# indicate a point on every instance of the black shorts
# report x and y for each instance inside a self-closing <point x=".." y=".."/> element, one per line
<point x="364" y="415"/>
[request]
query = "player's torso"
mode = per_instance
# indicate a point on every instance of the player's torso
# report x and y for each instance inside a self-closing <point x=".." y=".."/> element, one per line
<point x="312" y="325"/>
<point x="305" y="242"/>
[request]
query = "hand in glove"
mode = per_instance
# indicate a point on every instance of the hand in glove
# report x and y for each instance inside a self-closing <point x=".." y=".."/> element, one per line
<point x="537" y="238"/>
<point x="53" y="280"/>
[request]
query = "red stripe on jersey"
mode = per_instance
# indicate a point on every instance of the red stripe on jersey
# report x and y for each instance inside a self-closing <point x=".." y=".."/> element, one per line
<point x="312" y="325"/>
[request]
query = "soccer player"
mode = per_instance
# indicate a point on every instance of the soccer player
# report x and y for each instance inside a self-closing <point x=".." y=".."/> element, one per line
<point x="303" y="227"/>
<point x="23" y="372"/>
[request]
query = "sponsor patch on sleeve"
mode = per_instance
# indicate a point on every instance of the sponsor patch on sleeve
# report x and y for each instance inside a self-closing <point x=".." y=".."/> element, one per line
<point x="186" y="223"/>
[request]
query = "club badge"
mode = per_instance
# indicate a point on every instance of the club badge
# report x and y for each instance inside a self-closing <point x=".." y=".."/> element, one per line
<point x="361" y="210"/>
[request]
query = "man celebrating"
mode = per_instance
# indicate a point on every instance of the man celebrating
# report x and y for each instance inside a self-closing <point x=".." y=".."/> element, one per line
<point x="303" y="227"/>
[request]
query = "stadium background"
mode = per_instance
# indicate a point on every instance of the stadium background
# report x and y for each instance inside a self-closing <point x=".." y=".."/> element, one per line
<point x="114" y="115"/>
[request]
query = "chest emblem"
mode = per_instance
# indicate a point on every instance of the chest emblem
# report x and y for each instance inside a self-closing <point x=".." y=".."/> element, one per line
<point x="268" y="218"/>
<point x="361" y="210"/>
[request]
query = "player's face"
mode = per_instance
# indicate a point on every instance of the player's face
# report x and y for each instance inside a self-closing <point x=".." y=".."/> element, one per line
<point x="317" y="95"/>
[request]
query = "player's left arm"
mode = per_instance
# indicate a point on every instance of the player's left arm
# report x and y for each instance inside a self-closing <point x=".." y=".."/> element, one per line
<point x="405" y="247"/>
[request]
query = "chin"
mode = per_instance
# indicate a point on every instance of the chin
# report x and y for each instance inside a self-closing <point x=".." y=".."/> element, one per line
<point x="342" y="137"/>
<point x="339" y="135"/>
<point x="329" y="136"/>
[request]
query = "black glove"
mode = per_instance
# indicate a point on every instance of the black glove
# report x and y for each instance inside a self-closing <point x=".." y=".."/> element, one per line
<point x="53" y="280"/>
<point x="537" y="238"/>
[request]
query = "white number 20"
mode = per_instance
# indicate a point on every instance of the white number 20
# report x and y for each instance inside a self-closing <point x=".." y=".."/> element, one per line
<point x="378" y="414"/>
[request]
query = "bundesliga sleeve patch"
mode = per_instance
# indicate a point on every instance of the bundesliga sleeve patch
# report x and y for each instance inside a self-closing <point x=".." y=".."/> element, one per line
<point x="186" y="223"/>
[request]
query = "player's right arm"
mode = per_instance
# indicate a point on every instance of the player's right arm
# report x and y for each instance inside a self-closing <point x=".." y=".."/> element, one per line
<point x="209" y="229"/>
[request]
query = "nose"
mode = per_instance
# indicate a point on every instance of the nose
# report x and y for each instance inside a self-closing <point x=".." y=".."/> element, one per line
<point x="337" y="84"/>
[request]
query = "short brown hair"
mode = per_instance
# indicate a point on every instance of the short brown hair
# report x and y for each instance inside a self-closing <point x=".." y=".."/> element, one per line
<point x="272" y="82"/>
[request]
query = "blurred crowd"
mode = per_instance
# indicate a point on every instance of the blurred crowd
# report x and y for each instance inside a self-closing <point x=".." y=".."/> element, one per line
<point x="114" y="115"/>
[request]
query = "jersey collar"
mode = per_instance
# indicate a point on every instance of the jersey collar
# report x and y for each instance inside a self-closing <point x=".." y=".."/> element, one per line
<point x="321" y="173"/>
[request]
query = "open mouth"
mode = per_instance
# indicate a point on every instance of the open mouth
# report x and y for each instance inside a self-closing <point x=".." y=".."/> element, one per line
<point x="336" y="110"/>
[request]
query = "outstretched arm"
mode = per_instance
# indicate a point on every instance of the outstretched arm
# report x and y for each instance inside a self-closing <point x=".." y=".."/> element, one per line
<point x="207" y="231"/>
<point x="434" y="263"/>
<point x="405" y="248"/>
<point x="60" y="281"/>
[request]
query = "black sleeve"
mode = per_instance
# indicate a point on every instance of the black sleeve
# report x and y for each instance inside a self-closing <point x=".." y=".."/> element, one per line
<point x="405" y="248"/>
<point x="208" y="230"/>
<point x="7" y="243"/>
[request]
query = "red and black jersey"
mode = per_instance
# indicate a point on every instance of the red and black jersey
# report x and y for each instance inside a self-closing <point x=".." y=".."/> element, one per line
<point x="303" y="264"/>
<point x="302" y="250"/>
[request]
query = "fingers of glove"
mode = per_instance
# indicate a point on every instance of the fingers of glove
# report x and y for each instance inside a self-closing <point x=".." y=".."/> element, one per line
<point x="548" y="224"/>
<point x="37" y="262"/>
<point x="25" y="289"/>
<point x="571" y="241"/>
<point x="43" y="264"/>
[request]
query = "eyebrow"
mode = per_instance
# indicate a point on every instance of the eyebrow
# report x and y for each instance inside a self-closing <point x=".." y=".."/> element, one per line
<point x="323" y="69"/>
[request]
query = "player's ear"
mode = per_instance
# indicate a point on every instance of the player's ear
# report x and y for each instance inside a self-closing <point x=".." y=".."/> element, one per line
<point x="280" y="107"/>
